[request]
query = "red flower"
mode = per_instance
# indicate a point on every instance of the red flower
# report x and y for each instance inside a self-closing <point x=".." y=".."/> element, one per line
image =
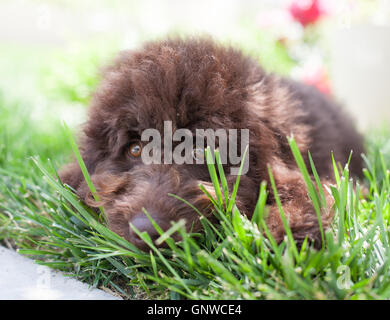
<point x="306" y="11"/>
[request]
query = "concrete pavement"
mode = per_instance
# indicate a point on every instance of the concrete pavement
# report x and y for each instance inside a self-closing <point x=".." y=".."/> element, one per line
<point x="21" y="279"/>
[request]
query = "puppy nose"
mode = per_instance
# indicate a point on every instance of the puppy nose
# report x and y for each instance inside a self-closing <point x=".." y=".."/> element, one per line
<point x="143" y="224"/>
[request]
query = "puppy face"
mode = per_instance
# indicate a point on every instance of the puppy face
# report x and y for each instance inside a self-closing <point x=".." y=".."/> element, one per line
<point x="191" y="85"/>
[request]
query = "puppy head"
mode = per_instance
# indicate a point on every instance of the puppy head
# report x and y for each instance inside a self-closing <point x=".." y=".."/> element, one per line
<point x="191" y="84"/>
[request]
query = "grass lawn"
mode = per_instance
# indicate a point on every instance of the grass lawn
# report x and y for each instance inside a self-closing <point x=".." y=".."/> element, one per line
<point x="237" y="259"/>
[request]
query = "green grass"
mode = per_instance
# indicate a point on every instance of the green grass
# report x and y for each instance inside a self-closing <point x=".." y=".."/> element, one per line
<point x="236" y="259"/>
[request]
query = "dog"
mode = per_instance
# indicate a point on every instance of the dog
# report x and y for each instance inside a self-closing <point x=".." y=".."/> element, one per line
<point x="198" y="83"/>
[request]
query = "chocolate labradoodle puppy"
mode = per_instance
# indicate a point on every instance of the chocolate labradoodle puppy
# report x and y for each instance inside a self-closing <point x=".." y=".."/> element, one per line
<point x="199" y="84"/>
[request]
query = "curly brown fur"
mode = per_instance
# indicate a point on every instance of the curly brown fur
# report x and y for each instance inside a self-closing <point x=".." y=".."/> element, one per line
<point x="199" y="84"/>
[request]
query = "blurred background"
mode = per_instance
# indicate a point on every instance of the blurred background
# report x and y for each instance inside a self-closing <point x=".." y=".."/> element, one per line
<point x="51" y="52"/>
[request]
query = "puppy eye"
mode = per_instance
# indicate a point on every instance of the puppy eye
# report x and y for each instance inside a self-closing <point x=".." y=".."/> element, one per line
<point x="198" y="154"/>
<point x="135" y="149"/>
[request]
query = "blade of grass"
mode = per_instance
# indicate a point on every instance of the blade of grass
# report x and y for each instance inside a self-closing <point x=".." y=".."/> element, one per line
<point x="83" y="168"/>
<point x="317" y="204"/>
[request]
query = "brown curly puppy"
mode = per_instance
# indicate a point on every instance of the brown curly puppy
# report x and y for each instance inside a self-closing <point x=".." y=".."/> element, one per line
<point x="197" y="83"/>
